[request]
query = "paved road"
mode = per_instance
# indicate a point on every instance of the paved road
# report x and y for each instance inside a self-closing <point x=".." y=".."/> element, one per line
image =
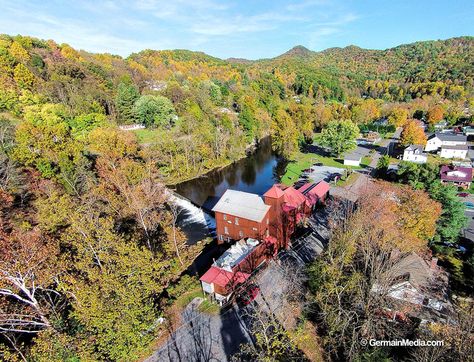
<point x="204" y="337"/>
<point x="384" y="148"/>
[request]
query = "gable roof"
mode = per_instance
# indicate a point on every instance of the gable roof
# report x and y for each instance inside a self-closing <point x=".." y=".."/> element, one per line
<point x="274" y="192"/>
<point x="353" y="156"/>
<point x="457" y="147"/>
<point x="319" y="190"/>
<point x="456" y="173"/>
<point x="293" y="197"/>
<point x="450" y="137"/>
<point x="416" y="268"/>
<point x="242" y="204"/>
<point x="223" y="277"/>
<point x="415" y="148"/>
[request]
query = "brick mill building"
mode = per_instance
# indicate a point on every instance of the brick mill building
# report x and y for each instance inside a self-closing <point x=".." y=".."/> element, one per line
<point x="261" y="227"/>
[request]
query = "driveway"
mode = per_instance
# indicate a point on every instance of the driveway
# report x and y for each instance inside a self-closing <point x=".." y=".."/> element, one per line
<point x="203" y="337"/>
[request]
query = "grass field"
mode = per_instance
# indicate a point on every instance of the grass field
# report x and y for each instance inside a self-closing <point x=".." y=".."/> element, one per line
<point x="302" y="161"/>
<point x="147" y="135"/>
<point x="196" y="292"/>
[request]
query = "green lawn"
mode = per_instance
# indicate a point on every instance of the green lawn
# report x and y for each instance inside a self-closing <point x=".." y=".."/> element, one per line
<point x="348" y="181"/>
<point x="196" y="292"/>
<point x="147" y="135"/>
<point x="302" y="161"/>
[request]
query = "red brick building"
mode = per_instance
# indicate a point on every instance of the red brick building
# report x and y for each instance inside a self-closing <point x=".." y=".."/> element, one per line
<point x="234" y="268"/>
<point x="241" y="215"/>
<point x="267" y="224"/>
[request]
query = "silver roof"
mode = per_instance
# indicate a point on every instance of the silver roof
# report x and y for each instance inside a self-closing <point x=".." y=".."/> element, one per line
<point x="242" y="204"/>
<point x="236" y="253"/>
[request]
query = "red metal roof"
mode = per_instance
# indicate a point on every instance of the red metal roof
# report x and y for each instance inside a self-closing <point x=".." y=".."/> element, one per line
<point x="293" y="197"/>
<point x="274" y="192"/>
<point x="314" y="192"/>
<point x="223" y="277"/>
<point x="456" y="174"/>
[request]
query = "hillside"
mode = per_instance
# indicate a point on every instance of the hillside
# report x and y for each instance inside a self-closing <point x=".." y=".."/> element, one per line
<point x="92" y="257"/>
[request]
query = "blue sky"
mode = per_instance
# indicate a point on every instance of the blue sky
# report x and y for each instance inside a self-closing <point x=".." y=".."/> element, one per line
<point x="245" y="28"/>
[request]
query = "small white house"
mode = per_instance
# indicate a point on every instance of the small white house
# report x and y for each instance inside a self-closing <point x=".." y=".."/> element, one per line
<point x="436" y="141"/>
<point x="414" y="153"/>
<point x="352" y="159"/>
<point x="454" y="151"/>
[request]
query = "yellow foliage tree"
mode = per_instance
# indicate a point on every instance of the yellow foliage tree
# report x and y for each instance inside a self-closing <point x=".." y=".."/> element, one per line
<point x="412" y="134"/>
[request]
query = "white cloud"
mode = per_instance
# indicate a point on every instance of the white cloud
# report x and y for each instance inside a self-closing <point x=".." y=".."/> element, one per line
<point x="123" y="26"/>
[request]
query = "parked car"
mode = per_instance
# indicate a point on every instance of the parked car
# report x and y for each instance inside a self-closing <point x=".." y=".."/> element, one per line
<point x="469" y="205"/>
<point x="248" y="295"/>
<point x="463" y="194"/>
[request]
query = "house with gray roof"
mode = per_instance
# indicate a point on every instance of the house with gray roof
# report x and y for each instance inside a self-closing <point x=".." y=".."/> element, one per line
<point x="414" y="153"/>
<point x="437" y="140"/>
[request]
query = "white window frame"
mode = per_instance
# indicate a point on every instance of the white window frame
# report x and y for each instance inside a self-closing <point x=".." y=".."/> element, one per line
<point x="236" y="221"/>
<point x="241" y="233"/>
<point x="226" y="230"/>
<point x="225" y="216"/>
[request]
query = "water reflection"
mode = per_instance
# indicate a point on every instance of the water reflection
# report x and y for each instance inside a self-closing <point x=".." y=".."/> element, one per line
<point x="255" y="173"/>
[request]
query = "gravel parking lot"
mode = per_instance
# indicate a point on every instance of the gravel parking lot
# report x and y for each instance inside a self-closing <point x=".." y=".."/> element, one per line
<point x="321" y="172"/>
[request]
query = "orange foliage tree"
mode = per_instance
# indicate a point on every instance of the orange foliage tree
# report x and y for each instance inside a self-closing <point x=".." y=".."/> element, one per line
<point x="435" y="114"/>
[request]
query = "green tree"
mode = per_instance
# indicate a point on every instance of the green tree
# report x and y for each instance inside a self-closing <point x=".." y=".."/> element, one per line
<point x="154" y="111"/>
<point x="127" y="95"/>
<point x="383" y="163"/>
<point x="452" y="219"/>
<point x="339" y="136"/>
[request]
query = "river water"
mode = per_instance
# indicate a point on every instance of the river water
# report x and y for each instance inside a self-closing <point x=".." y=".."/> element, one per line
<point x="255" y="173"/>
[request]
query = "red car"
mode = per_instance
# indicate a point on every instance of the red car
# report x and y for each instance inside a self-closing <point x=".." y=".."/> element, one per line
<point x="463" y="194"/>
<point x="248" y="295"/>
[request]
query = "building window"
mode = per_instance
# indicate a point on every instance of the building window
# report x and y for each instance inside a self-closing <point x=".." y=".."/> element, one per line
<point x="221" y="237"/>
<point x="241" y="234"/>
<point x="226" y="230"/>
<point x="236" y="221"/>
<point x="267" y="233"/>
<point x="225" y="217"/>
<point x="254" y="229"/>
<point x="267" y="221"/>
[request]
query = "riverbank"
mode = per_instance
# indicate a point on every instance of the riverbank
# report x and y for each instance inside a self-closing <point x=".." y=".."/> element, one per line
<point x="171" y="182"/>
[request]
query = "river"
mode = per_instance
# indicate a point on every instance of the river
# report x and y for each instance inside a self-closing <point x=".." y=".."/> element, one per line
<point x="255" y="173"/>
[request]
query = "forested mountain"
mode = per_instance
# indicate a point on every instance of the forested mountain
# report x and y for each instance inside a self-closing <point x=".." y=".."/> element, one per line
<point x="89" y="248"/>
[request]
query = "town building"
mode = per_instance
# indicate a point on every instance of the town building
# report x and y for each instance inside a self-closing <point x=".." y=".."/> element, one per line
<point x="233" y="268"/>
<point x="436" y="141"/>
<point x="459" y="176"/>
<point x="352" y="159"/>
<point x="417" y="288"/>
<point x="241" y="215"/>
<point x="459" y="152"/>
<point x="261" y="227"/>
<point x="414" y="153"/>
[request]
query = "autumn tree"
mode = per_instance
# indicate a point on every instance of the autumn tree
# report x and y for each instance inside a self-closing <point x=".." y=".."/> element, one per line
<point x="284" y="134"/>
<point x="398" y="116"/>
<point x="361" y="253"/>
<point x="435" y="114"/>
<point x="29" y="271"/>
<point x="339" y="136"/>
<point x="112" y="288"/>
<point x="412" y="134"/>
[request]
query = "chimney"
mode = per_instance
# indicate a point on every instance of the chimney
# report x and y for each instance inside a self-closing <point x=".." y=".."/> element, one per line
<point x="434" y="263"/>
